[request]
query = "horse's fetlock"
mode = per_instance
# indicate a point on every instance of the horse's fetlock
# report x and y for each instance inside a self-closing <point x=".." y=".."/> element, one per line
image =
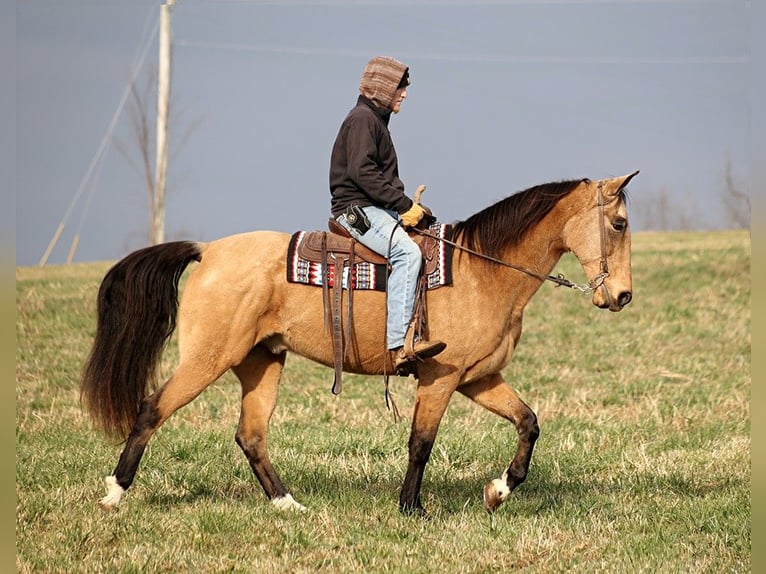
<point x="515" y="475"/>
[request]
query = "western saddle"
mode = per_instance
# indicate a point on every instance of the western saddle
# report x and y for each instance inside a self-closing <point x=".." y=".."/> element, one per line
<point x="337" y="248"/>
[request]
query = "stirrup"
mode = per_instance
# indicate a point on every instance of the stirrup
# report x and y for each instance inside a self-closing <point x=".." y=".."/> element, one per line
<point x="402" y="365"/>
<point x="419" y="350"/>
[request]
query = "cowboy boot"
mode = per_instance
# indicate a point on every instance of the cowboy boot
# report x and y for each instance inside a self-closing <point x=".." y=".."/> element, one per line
<point x="403" y="362"/>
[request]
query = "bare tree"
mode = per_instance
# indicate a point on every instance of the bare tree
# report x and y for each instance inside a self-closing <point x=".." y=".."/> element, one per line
<point x="141" y="113"/>
<point x="736" y="201"/>
<point x="142" y="134"/>
<point x="658" y="212"/>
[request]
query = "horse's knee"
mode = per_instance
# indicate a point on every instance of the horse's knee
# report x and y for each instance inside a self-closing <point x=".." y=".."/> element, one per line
<point x="250" y="443"/>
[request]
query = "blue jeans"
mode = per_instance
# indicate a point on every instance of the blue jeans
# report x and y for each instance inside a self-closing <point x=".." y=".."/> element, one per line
<point x="405" y="258"/>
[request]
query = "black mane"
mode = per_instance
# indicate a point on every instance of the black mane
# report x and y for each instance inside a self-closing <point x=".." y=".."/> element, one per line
<point x="506" y="222"/>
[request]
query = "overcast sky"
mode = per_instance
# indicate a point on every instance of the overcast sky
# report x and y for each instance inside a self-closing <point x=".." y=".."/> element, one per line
<point x="504" y="95"/>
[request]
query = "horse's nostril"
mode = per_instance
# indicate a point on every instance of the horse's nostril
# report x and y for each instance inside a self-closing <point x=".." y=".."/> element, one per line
<point x="625" y="298"/>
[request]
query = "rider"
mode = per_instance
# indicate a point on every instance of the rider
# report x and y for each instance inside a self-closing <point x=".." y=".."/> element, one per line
<point x="368" y="197"/>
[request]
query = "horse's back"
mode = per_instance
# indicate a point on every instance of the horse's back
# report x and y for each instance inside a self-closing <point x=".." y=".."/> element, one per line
<point x="244" y="244"/>
<point x="244" y="253"/>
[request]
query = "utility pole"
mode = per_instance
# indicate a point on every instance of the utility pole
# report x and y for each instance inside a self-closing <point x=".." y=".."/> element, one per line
<point x="163" y="104"/>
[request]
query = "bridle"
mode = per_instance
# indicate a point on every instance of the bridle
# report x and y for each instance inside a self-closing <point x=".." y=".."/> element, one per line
<point x="598" y="280"/>
<point x="559" y="279"/>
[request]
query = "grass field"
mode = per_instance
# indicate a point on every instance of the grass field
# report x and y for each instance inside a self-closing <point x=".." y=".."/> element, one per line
<point x="643" y="464"/>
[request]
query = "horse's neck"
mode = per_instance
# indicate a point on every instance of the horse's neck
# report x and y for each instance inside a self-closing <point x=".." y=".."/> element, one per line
<point x="538" y="253"/>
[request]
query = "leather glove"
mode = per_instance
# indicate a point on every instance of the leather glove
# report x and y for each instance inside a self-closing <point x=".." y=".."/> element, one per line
<point x="413" y="215"/>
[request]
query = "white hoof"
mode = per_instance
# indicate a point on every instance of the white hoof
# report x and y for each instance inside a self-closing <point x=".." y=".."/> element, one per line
<point x="287" y="502"/>
<point x="495" y="494"/>
<point x="114" y="494"/>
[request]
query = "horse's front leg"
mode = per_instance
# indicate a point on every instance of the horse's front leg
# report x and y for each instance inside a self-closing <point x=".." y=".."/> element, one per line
<point x="494" y="394"/>
<point x="431" y="401"/>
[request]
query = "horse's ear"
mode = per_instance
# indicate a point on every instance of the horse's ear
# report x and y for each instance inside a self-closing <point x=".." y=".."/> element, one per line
<point x="615" y="184"/>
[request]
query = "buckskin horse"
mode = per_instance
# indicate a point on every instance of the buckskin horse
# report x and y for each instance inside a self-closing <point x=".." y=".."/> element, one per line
<point x="239" y="312"/>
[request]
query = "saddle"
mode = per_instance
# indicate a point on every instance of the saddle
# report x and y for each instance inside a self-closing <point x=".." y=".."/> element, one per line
<point x="336" y="249"/>
<point x="338" y="243"/>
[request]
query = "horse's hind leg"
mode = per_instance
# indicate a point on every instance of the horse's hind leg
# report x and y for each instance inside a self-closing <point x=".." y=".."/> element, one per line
<point x="184" y="386"/>
<point x="494" y="394"/>
<point x="259" y="374"/>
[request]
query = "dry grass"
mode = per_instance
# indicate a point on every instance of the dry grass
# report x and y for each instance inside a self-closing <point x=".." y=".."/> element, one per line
<point x="643" y="464"/>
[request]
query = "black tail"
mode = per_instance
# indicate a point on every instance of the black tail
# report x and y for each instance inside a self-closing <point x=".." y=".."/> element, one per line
<point x="137" y="306"/>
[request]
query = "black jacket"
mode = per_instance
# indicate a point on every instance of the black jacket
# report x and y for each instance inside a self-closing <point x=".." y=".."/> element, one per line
<point x="363" y="164"/>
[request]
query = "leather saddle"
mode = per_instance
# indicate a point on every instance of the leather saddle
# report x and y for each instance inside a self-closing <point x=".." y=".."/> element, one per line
<point x="337" y="248"/>
<point x="337" y="243"/>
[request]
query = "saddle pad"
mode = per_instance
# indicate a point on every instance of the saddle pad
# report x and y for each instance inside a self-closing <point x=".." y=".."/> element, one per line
<point x="367" y="275"/>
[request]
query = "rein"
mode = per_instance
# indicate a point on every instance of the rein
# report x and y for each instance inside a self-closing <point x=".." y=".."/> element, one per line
<point x="559" y="279"/>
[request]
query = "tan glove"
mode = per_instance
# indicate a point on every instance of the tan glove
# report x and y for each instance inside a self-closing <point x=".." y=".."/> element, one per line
<point x="413" y="215"/>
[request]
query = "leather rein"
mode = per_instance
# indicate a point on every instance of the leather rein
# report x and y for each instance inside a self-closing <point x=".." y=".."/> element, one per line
<point x="559" y="279"/>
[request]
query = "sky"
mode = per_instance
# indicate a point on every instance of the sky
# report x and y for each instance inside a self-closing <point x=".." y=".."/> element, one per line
<point x="505" y="95"/>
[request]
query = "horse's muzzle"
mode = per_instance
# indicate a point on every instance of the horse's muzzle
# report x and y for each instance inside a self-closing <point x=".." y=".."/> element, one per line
<point x="624" y="298"/>
<point x="614" y="304"/>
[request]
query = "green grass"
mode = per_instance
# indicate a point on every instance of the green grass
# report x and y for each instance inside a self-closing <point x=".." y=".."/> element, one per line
<point x="643" y="464"/>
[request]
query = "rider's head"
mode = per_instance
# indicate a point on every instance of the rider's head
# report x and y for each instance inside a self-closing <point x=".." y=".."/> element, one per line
<point x="385" y="82"/>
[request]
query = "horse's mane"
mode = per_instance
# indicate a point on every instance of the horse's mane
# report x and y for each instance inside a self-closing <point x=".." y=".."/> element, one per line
<point x="506" y="222"/>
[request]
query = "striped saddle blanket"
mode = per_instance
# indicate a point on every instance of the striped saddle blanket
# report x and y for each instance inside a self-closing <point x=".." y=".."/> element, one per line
<point x="305" y="260"/>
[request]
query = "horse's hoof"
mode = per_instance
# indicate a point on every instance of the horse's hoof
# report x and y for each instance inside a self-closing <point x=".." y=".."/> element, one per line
<point x="287" y="502"/>
<point x="495" y="494"/>
<point x="113" y="495"/>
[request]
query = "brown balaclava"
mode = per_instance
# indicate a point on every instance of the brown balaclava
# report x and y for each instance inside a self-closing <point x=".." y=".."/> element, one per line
<point x="381" y="78"/>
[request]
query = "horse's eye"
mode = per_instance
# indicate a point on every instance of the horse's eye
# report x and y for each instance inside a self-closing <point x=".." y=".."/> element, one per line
<point x="620" y="224"/>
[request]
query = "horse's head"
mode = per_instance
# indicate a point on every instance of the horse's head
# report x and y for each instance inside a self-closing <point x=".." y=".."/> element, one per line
<point x="599" y="236"/>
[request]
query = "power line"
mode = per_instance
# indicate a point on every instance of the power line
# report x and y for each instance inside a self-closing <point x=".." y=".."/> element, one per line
<point x="489" y="58"/>
<point x="409" y="3"/>
<point x="138" y="63"/>
<point x="88" y="200"/>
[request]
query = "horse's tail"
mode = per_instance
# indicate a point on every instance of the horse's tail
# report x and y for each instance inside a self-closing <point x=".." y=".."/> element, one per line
<point x="137" y="307"/>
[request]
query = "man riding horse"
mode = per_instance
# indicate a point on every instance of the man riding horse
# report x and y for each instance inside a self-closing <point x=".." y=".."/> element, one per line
<point x="368" y="199"/>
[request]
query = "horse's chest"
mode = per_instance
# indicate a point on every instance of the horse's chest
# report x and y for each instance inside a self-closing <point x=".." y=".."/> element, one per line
<point x="505" y="351"/>
<point x="508" y="342"/>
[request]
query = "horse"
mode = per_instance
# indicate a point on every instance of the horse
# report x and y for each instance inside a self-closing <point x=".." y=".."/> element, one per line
<point x="239" y="312"/>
